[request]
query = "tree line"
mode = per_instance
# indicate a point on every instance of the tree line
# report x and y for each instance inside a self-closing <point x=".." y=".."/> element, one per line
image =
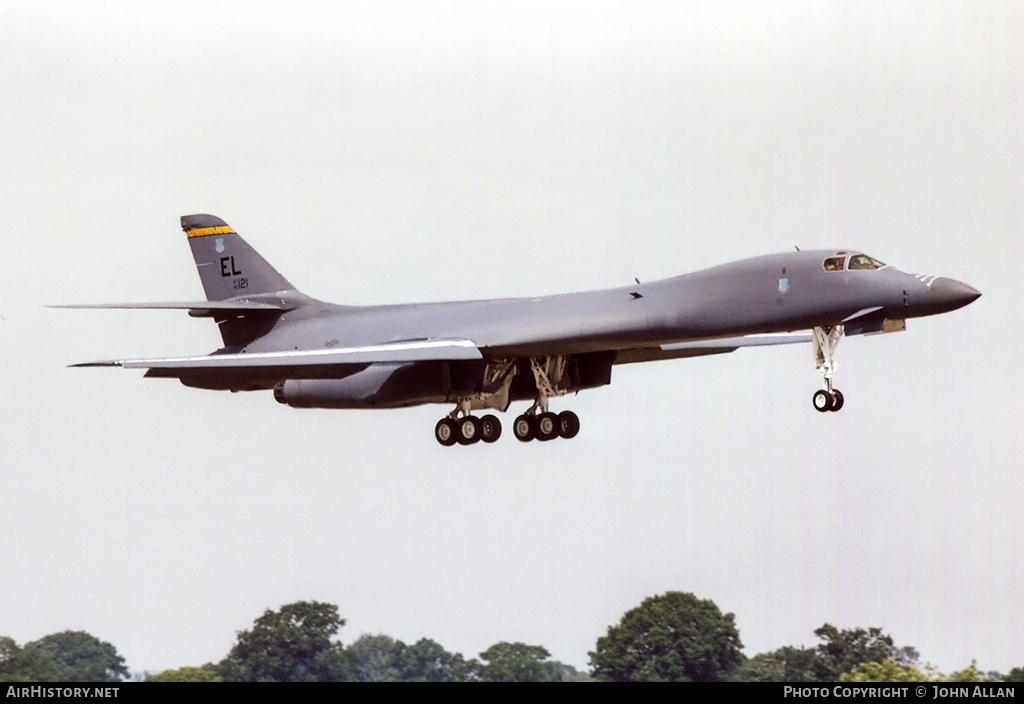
<point x="673" y="637"/>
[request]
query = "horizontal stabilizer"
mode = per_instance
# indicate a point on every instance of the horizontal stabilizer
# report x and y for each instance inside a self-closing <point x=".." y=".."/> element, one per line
<point x="228" y="305"/>
<point x="404" y="351"/>
<point x="731" y="343"/>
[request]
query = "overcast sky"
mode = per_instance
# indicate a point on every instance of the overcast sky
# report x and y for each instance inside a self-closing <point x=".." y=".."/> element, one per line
<point x="393" y="152"/>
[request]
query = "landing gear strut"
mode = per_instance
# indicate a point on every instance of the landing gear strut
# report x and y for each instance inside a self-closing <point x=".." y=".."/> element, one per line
<point x="538" y="422"/>
<point x="825" y="340"/>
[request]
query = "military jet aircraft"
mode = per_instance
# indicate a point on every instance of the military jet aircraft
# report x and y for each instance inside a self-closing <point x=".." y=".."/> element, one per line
<point x="486" y="354"/>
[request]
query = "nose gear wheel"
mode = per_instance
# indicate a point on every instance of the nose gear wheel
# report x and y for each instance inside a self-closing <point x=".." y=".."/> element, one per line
<point x="824" y="401"/>
<point x="837" y="400"/>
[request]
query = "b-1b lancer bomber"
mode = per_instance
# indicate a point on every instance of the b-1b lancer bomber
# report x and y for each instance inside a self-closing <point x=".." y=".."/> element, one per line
<point x="477" y="355"/>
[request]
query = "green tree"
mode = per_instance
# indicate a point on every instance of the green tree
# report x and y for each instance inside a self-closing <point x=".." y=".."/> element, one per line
<point x="969" y="674"/>
<point x="186" y="674"/>
<point x="888" y="670"/>
<point x="518" y="662"/>
<point x="292" y="644"/>
<point x="841" y="651"/>
<point x="787" y="664"/>
<point x="8" y="652"/>
<point x="81" y="657"/>
<point x="675" y="637"/>
<point x="568" y="673"/>
<point x="427" y="661"/>
<point x="845" y="650"/>
<point x="1015" y="675"/>
<point x="27" y="664"/>
<point x="377" y="658"/>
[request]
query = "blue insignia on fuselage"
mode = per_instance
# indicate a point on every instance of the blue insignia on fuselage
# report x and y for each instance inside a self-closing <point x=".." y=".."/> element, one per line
<point x="783" y="285"/>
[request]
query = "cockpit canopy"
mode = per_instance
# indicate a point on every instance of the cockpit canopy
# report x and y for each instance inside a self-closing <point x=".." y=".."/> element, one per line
<point x="851" y="262"/>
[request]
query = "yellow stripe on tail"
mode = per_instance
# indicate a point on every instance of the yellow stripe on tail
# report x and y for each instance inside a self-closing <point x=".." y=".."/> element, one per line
<point x="205" y="231"/>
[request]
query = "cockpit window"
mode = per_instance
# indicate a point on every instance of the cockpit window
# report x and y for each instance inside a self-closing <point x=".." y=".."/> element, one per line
<point x="835" y="263"/>
<point x="863" y="261"/>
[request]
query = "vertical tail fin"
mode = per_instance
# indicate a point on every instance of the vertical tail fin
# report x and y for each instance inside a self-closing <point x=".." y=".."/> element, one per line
<point x="228" y="266"/>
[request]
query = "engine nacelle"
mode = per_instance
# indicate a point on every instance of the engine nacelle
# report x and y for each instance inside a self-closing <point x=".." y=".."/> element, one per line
<point x="481" y="384"/>
<point x="383" y="386"/>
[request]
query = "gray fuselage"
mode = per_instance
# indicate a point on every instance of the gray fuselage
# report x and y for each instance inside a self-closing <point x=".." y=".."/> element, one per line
<point x="774" y="293"/>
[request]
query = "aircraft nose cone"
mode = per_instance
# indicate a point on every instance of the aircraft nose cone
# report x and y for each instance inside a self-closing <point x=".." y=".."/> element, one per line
<point x="950" y="294"/>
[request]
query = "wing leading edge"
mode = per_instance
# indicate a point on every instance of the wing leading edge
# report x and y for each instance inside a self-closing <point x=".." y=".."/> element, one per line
<point x="402" y="351"/>
<point x="728" y="344"/>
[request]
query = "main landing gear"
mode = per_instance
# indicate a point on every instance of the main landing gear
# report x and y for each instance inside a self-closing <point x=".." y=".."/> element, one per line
<point x="464" y="429"/>
<point x="459" y="427"/>
<point x="538" y="422"/>
<point x="825" y="340"/>
<point x="546" y="426"/>
<point x="467" y="430"/>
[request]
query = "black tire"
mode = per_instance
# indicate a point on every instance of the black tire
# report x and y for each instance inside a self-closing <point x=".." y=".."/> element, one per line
<point x="524" y="428"/>
<point x="822" y="401"/>
<point x="444" y="432"/>
<point x="547" y="426"/>
<point x="490" y="428"/>
<point x="468" y="430"/>
<point x="568" y="424"/>
<point x="837" y="400"/>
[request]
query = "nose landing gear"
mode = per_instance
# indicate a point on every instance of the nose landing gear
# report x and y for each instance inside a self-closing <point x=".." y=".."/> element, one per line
<point x="825" y="340"/>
